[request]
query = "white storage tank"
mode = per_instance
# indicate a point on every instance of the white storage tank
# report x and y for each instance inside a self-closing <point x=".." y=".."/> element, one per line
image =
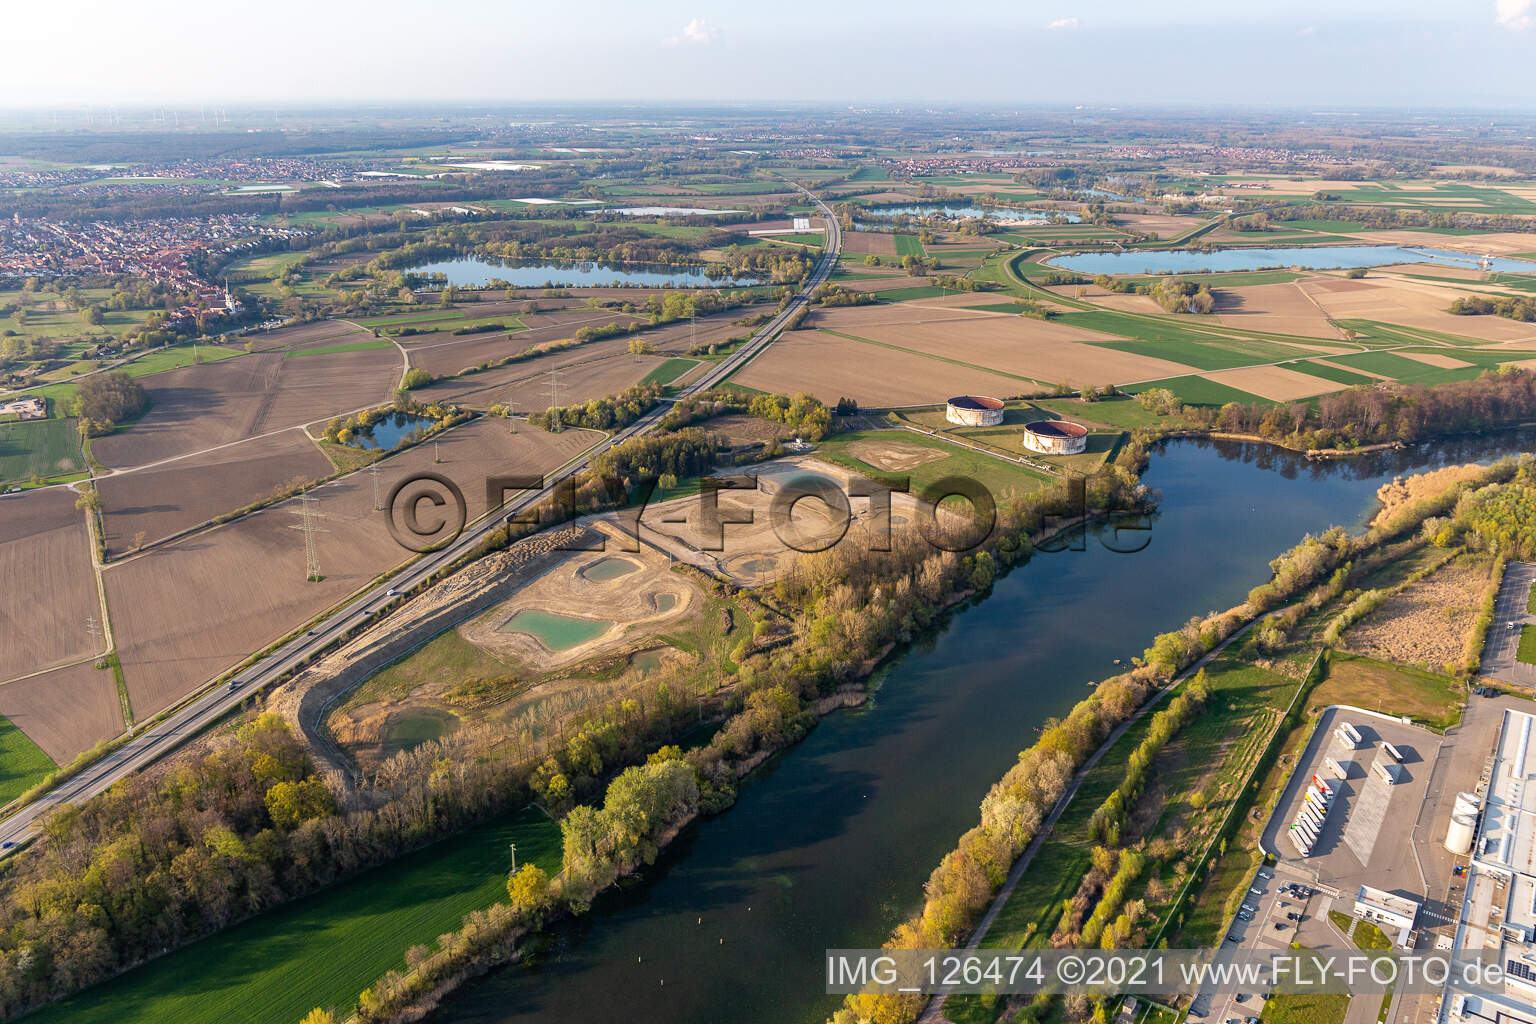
<point x="1458" y="837"/>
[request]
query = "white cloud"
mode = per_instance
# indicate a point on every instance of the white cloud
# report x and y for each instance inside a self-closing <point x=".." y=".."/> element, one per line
<point x="1062" y="23"/>
<point x="697" y="32"/>
<point x="1514" y="14"/>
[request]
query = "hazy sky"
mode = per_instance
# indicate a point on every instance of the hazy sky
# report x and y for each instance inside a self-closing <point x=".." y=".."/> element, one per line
<point x="1011" y="52"/>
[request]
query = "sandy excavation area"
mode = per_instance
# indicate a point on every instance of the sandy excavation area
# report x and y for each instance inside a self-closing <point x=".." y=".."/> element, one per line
<point x="65" y="711"/>
<point x="50" y="588"/>
<point x="1411" y="304"/>
<point x="1277" y="308"/>
<point x="176" y="496"/>
<point x="185" y="612"/>
<point x="599" y="601"/>
<point x="1276" y="383"/>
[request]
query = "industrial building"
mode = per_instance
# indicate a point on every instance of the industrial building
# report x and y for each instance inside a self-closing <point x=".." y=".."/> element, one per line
<point x="1394" y="914"/>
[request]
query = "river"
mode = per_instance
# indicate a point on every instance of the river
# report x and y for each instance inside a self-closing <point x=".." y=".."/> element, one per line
<point x="829" y="844"/>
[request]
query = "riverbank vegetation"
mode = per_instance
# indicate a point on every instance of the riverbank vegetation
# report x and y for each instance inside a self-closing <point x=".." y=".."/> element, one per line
<point x="1190" y="833"/>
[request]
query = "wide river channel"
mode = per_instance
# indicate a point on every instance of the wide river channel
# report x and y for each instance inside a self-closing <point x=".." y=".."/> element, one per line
<point x="829" y="844"/>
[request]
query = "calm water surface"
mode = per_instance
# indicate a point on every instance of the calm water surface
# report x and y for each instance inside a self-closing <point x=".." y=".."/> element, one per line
<point x="830" y="843"/>
<point x="474" y="272"/>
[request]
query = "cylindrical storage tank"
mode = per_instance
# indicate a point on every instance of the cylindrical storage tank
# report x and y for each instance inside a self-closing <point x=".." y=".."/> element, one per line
<point x="974" y="411"/>
<point x="1467" y="803"/>
<point x="1458" y="838"/>
<point x="1055" y="437"/>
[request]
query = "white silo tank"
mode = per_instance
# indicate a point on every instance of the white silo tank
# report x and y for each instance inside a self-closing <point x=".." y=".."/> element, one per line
<point x="1459" y="836"/>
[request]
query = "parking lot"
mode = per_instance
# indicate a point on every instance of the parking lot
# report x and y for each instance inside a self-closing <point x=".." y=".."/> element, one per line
<point x="1366" y="838"/>
<point x="1499" y="661"/>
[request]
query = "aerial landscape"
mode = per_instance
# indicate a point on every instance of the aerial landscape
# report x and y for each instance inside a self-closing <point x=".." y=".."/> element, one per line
<point x="822" y="517"/>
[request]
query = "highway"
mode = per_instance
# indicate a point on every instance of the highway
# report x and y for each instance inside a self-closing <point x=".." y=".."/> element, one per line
<point x="218" y="701"/>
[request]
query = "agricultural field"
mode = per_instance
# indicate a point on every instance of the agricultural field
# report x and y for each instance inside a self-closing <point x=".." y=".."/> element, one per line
<point x="40" y="448"/>
<point x="202" y="407"/>
<point x="173" y="639"/>
<point x="22" y="763"/>
<point x="50" y="588"/>
<point x="151" y="504"/>
<point x="830" y="367"/>
<point x="349" y="934"/>
<point x="1409" y="304"/>
<point x="1277" y="308"/>
<point x="64" y="711"/>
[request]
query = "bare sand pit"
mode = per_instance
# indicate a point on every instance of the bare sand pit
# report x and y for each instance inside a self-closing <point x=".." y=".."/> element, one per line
<point x="591" y="603"/>
<point x="830" y="368"/>
<point x="1276" y="383"/>
<point x="1277" y="308"/>
<point x="177" y="495"/>
<point x="65" y="711"/>
<point x="1015" y="345"/>
<point x="200" y="407"/>
<point x="893" y="456"/>
<point x="1434" y="359"/>
<point x="50" y="588"/>
<point x="187" y="611"/>
<point x="869" y="243"/>
<point x="1410" y="304"/>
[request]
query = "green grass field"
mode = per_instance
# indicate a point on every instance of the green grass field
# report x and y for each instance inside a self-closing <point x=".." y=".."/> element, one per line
<point x="1196" y="390"/>
<point x="1530" y="602"/>
<point x="929" y="291"/>
<point x="1426" y="697"/>
<point x="1333" y="373"/>
<point x="1288" y="1008"/>
<point x="323" y="950"/>
<point x="63" y="393"/>
<point x="908" y="245"/>
<point x="1527" y="651"/>
<point x="354" y="346"/>
<point x="22" y="762"/>
<point x="997" y="475"/>
<point x="41" y="448"/>
<point x="669" y="371"/>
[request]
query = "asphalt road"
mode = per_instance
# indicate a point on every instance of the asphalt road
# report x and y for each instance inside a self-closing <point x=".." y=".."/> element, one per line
<point x="219" y="701"/>
<point x="1499" y="650"/>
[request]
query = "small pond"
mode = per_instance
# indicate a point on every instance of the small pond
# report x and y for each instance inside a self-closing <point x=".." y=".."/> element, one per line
<point x="553" y="630"/>
<point x="390" y="431"/>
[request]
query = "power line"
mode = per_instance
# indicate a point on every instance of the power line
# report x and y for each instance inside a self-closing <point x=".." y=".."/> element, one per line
<point x="309" y="517"/>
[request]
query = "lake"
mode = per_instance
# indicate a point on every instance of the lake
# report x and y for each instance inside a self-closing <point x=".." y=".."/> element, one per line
<point x="1004" y="214"/>
<point x="829" y="843"/>
<point x="477" y="272"/>
<point x="1317" y="257"/>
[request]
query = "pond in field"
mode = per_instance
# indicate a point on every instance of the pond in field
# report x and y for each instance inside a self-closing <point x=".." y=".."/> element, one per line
<point x="553" y="630"/>
<point x="605" y="569"/>
<point x="666" y="602"/>
<point x="1317" y="257"/>
<point x="409" y="729"/>
<point x="1003" y="214"/>
<point x="648" y="661"/>
<point x="390" y="431"/>
<point x="478" y="272"/>
<point x="829" y="844"/>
